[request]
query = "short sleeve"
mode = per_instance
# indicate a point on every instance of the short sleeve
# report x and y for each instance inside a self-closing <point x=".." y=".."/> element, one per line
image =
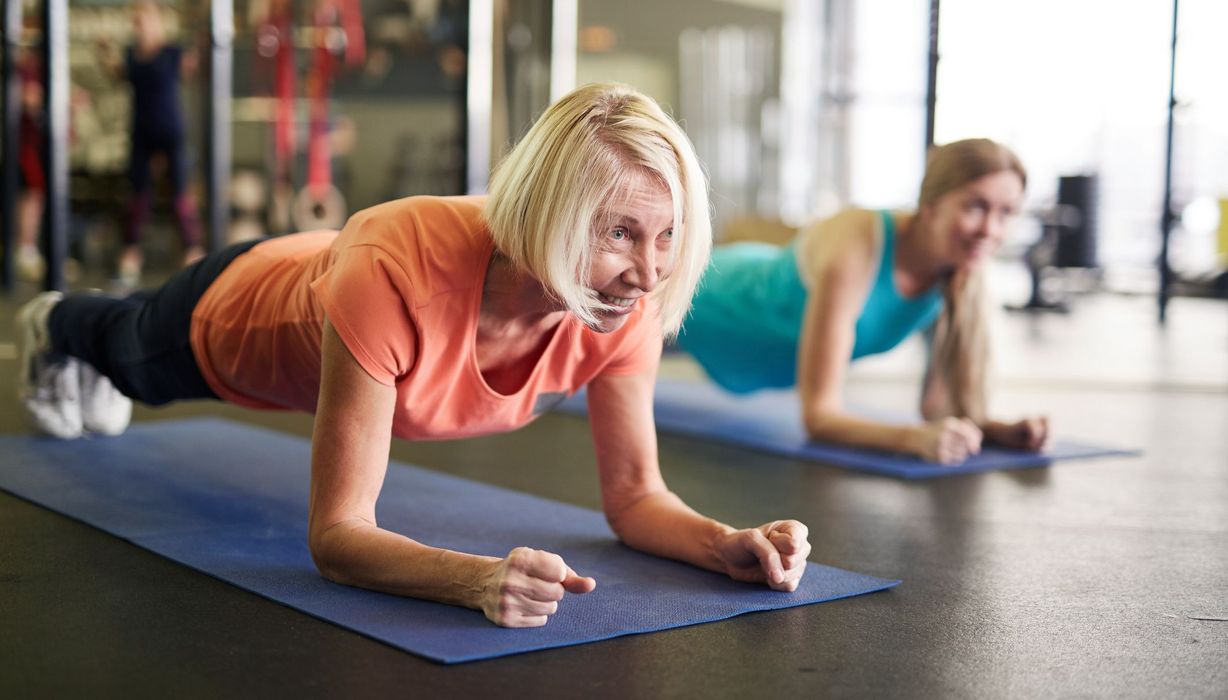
<point x="639" y="349"/>
<point x="368" y="298"/>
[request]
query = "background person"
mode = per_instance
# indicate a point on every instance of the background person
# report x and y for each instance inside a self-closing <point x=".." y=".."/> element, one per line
<point x="858" y="284"/>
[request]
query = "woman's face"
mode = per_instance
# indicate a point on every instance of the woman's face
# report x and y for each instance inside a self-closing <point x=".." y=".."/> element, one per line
<point x="970" y="222"/>
<point x="633" y="252"/>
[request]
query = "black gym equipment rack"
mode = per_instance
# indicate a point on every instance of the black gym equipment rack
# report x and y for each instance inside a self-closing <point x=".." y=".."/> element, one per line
<point x="54" y="238"/>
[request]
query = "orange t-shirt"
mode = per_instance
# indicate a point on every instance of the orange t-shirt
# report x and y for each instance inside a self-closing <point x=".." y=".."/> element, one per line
<point x="402" y="284"/>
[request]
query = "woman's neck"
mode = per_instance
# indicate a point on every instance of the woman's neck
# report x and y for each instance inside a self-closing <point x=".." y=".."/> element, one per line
<point x="516" y="322"/>
<point x="510" y="298"/>
<point x="917" y="263"/>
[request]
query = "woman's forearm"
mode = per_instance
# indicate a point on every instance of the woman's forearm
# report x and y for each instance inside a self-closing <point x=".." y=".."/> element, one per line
<point x="357" y="553"/>
<point x="844" y="429"/>
<point x="661" y="524"/>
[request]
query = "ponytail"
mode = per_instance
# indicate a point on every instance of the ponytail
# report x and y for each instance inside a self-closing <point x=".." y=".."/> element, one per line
<point x="961" y="345"/>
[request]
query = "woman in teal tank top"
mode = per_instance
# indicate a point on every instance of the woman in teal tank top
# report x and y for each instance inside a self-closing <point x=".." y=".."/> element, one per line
<point x="858" y="284"/>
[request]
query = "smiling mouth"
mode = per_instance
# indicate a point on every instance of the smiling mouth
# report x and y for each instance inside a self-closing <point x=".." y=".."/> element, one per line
<point x="617" y="302"/>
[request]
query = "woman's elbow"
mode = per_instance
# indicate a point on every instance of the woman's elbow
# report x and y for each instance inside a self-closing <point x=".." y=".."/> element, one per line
<point x="818" y="425"/>
<point x="618" y="525"/>
<point x="623" y="514"/>
<point x="326" y="555"/>
<point x="324" y="561"/>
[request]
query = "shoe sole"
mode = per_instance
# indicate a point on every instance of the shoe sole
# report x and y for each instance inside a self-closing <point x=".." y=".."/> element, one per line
<point x="29" y="347"/>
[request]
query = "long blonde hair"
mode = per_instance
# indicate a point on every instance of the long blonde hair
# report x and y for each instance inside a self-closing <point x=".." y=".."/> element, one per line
<point x="961" y="339"/>
<point x="583" y="153"/>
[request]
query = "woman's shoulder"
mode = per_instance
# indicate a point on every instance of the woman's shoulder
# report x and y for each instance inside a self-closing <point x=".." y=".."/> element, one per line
<point x="435" y="239"/>
<point x="848" y="227"/>
<point x="853" y="235"/>
<point x="431" y="206"/>
<point x="417" y="219"/>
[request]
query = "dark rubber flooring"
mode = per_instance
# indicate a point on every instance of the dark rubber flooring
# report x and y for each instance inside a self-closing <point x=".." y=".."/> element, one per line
<point x="1080" y="580"/>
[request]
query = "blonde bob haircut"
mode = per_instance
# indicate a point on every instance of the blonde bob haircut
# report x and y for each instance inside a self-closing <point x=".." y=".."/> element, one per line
<point x="551" y="194"/>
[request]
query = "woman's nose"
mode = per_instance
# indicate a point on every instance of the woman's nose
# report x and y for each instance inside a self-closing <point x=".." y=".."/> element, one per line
<point x="643" y="273"/>
<point x="995" y="226"/>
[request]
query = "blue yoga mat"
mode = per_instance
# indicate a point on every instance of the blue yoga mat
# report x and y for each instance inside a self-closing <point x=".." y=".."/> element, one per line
<point x="770" y="421"/>
<point x="231" y="501"/>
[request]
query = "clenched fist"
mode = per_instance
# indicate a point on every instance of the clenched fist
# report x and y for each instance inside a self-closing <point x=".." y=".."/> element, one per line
<point x="949" y="440"/>
<point x="774" y="554"/>
<point x="525" y="587"/>
<point x="1031" y="433"/>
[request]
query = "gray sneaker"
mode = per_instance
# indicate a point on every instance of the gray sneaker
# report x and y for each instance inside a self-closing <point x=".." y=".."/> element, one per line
<point x="104" y="410"/>
<point x="48" y="385"/>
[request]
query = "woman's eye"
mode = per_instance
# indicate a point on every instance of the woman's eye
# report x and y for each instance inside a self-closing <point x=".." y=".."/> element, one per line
<point x="668" y="235"/>
<point x="618" y="234"/>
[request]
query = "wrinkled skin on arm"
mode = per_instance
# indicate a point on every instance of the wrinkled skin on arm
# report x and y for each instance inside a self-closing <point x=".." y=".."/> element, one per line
<point x="350" y="442"/>
<point x="649" y="517"/>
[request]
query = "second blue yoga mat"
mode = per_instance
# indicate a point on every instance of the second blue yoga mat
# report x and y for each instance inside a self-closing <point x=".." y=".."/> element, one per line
<point x="770" y="421"/>
<point x="231" y="501"/>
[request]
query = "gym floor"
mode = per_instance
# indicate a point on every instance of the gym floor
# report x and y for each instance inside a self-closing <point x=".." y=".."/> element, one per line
<point x="1082" y="579"/>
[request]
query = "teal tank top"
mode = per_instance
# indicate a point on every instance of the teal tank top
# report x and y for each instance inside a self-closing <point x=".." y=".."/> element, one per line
<point x="746" y="317"/>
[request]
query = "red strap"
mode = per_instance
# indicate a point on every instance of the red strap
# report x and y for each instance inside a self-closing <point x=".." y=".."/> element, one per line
<point x="319" y="83"/>
<point x="319" y="157"/>
<point x="355" y="40"/>
<point x="284" y="77"/>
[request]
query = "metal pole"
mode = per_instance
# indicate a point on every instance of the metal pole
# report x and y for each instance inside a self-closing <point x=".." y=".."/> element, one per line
<point x="478" y="95"/>
<point x="564" y="28"/>
<point x="55" y="140"/>
<point x="219" y="86"/>
<point x="1166" y="217"/>
<point x="11" y="132"/>
<point x="931" y="82"/>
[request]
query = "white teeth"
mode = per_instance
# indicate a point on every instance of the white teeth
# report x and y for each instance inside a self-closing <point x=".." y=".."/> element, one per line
<point x="616" y="301"/>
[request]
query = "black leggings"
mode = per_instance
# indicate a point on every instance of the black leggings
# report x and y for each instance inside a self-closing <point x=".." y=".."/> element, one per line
<point x="141" y="342"/>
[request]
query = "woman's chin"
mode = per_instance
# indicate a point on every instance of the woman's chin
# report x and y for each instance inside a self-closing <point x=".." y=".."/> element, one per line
<point x="608" y="322"/>
<point x="972" y="262"/>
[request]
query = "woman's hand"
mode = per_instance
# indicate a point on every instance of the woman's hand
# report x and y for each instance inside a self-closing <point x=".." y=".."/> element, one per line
<point x="774" y="554"/>
<point x="949" y="440"/>
<point x="525" y="587"/>
<point x="1031" y="433"/>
